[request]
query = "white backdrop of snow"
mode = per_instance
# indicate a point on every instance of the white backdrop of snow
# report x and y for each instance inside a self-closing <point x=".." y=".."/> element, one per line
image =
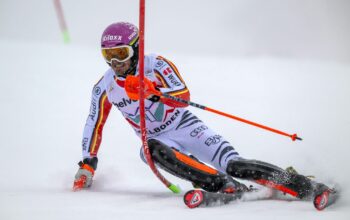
<point x="46" y="97"/>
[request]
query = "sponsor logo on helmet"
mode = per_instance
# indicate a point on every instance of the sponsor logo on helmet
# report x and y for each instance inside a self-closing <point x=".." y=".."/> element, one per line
<point x="132" y="35"/>
<point x="112" y="37"/>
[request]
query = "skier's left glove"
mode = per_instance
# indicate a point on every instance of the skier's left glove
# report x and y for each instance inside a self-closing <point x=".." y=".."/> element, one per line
<point x="132" y="88"/>
<point x="85" y="173"/>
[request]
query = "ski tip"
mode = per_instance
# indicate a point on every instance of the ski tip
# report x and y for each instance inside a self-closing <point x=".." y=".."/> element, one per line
<point x="325" y="199"/>
<point x="321" y="201"/>
<point x="295" y="137"/>
<point x="193" y="198"/>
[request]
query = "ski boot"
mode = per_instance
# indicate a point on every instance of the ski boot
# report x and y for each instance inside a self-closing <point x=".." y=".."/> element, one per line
<point x="288" y="182"/>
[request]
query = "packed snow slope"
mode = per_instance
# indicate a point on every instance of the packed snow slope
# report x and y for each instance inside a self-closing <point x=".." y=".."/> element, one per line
<point x="45" y="98"/>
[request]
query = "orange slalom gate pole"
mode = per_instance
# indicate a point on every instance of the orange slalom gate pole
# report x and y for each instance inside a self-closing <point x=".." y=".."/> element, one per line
<point x="146" y="150"/>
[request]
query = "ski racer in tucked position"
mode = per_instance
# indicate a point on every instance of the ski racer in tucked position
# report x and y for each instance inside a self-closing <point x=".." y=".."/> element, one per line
<point x="180" y="143"/>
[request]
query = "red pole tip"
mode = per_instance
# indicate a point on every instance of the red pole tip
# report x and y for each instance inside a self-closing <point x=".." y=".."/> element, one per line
<point x="295" y="137"/>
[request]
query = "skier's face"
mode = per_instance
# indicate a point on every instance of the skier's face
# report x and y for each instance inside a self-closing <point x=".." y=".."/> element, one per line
<point x="120" y="68"/>
<point x="119" y="58"/>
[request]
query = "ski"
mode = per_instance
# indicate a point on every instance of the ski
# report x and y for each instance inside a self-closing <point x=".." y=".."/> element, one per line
<point x="200" y="198"/>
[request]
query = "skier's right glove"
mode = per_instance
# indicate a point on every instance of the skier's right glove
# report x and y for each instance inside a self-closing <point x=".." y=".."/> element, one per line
<point x="86" y="171"/>
<point x="132" y="88"/>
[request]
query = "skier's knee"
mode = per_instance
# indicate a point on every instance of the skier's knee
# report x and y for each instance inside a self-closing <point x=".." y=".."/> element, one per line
<point x="185" y="167"/>
<point x="157" y="149"/>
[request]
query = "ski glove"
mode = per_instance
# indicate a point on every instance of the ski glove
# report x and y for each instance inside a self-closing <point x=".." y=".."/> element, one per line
<point x="86" y="171"/>
<point x="132" y="88"/>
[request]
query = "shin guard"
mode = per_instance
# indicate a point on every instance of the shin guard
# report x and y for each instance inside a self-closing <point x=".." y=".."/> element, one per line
<point x="271" y="176"/>
<point x="186" y="167"/>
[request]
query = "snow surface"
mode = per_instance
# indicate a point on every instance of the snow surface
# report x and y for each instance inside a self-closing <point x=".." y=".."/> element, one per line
<point x="45" y="96"/>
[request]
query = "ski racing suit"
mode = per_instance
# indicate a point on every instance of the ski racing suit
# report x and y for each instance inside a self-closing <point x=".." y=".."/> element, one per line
<point x="179" y="141"/>
<point x="166" y="121"/>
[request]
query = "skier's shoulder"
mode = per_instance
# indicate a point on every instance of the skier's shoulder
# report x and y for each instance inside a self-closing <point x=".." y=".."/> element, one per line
<point x="150" y="62"/>
<point x="157" y="62"/>
<point x="100" y="85"/>
<point x="152" y="57"/>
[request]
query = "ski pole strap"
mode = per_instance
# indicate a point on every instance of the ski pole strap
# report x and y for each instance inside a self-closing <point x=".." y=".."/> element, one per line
<point x="177" y="99"/>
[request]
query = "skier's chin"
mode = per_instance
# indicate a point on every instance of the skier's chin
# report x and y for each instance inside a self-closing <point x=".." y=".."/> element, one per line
<point x="120" y="72"/>
<point x="123" y="75"/>
<point x="121" y="69"/>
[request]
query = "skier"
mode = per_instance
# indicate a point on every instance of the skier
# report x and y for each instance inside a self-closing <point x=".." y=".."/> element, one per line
<point x="179" y="141"/>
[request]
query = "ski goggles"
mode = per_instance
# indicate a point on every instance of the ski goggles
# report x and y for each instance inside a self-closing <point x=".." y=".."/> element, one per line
<point x="119" y="53"/>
